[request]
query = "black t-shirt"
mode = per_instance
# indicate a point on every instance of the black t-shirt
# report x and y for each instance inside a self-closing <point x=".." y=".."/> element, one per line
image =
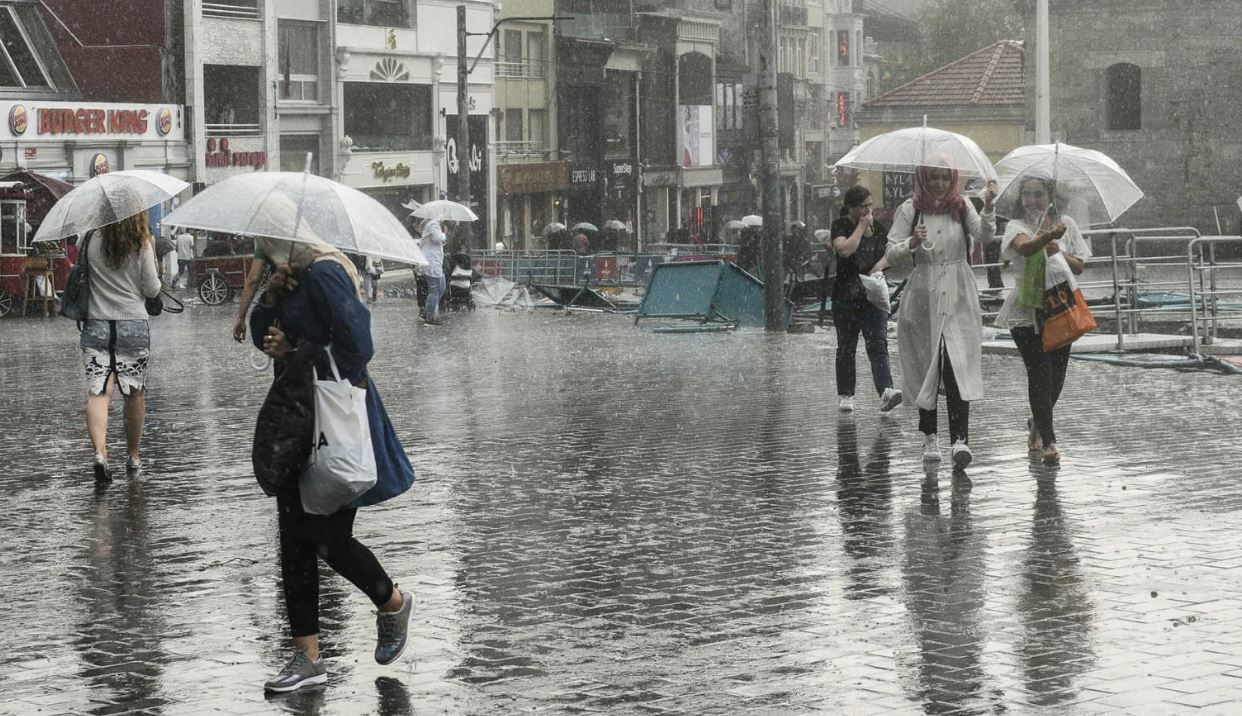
<point x="871" y="249"/>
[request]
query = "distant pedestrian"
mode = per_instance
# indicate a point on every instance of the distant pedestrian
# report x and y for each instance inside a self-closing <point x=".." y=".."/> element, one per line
<point x="860" y="242"/>
<point x="116" y="339"/>
<point x="749" y="251"/>
<point x="318" y="308"/>
<point x="939" y="324"/>
<point x="432" y="246"/>
<point x="582" y="244"/>
<point x="185" y="259"/>
<point x="1041" y="228"/>
<point x="372" y="270"/>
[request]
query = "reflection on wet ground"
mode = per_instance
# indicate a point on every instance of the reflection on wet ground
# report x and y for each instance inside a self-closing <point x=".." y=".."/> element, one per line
<point x="613" y="521"/>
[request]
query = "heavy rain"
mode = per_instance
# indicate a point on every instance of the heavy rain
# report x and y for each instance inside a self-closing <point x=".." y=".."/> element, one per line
<point x="620" y="356"/>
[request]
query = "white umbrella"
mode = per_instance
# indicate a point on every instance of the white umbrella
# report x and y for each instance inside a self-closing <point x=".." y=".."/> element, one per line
<point x="585" y="226"/>
<point x="554" y="227"/>
<point x="752" y="220"/>
<point x="302" y="207"/>
<point x="823" y="234"/>
<point x="735" y="224"/>
<point x="1089" y="186"/>
<point x="445" y="210"/>
<point x="411" y="205"/>
<point x="903" y="150"/>
<point x="615" y="225"/>
<point x="107" y="199"/>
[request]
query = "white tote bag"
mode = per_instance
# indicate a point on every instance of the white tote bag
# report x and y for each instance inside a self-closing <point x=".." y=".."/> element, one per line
<point x="342" y="462"/>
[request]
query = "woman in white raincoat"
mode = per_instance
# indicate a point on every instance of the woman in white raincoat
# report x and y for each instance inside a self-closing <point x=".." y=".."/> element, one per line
<point x="939" y="324"/>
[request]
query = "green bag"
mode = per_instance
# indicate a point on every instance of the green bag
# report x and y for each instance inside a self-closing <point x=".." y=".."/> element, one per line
<point x="1030" y="288"/>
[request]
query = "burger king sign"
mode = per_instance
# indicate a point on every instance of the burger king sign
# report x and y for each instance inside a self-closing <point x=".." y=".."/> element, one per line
<point x="18" y="120"/>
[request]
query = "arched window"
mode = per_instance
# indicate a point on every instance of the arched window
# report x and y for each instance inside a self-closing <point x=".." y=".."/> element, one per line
<point x="1124" y="94"/>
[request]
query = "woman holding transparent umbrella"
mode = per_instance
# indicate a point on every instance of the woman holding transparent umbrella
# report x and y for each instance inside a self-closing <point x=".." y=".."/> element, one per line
<point x="939" y="324"/>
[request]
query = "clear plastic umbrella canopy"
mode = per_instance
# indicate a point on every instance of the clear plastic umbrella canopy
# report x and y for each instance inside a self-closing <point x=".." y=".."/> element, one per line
<point x="752" y="220"/>
<point x="301" y="207"/>
<point x="904" y="150"/>
<point x="107" y="199"/>
<point x="445" y="210"/>
<point x="554" y="227"/>
<point x="615" y="225"/>
<point x="1087" y="185"/>
<point x="585" y="226"/>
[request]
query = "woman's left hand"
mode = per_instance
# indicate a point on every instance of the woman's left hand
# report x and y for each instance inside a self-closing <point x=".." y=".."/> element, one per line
<point x="276" y="343"/>
<point x="990" y="195"/>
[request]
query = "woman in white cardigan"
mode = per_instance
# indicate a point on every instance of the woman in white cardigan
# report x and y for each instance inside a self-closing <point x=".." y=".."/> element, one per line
<point x="939" y="324"/>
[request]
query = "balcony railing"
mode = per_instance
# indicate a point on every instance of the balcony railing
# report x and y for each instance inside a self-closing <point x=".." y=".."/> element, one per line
<point x="234" y="130"/>
<point x="239" y="9"/>
<point x="526" y="149"/>
<point x="527" y="69"/>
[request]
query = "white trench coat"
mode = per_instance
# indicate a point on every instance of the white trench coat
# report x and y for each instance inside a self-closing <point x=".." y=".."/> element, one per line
<point x="940" y="301"/>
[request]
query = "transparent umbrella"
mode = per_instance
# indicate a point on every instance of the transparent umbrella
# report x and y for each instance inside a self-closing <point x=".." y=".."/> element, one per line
<point x="585" y="226"/>
<point x="735" y="225"/>
<point x="752" y="220"/>
<point x="301" y="207"/>
<point x="445" y="210"/>
<point x="615" y="225"/>
<point x="903" y="150"/>
<point x="1087" y="185"/>
<point x="554" y="227"/>
<point x="106" y="199"/>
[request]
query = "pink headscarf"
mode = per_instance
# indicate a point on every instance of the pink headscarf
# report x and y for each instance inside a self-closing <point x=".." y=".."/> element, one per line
<point x="953" y="202"/>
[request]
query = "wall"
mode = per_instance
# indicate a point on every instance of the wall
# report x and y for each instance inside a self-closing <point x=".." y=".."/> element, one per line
<point x="120" y="74"/>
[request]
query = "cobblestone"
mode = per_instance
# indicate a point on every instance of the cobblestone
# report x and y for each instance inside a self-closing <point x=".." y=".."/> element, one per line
<point x="608" y="520"/>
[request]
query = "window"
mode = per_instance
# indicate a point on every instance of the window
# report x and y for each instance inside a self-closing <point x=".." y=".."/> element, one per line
<point x="812" y="52"/>
<point x="384" y="13"/>
<point x="537" y="118"/>
<point x="383" y="116"/>
<point x="18" y="66"/>
<point x="1124" y="96"/>
<point x="535" y="54"/>
<point x="513" y="125"/>
<point x="843" y="48"/>
<point x="293" y="151"/>
<point x="299" y="61"/>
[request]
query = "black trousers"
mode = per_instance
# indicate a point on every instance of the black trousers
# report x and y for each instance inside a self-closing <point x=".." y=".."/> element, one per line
<point x="1045" y="377"/>
<point x="304" y="539"/>
<point x="959" y="410"/>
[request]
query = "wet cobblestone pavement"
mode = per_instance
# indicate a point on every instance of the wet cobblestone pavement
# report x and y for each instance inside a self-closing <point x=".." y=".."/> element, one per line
<point x="612" y="521"/>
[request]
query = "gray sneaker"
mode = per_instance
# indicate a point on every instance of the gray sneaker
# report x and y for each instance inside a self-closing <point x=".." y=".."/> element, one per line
<point x="391" y="629"/>
<point x="300" y="671"/>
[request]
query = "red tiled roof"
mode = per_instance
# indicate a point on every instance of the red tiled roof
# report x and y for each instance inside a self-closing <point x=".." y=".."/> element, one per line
<point x="990" y="76"/>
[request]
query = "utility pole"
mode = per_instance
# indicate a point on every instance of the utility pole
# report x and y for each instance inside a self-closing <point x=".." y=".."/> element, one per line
<point x="1043" y="104"/>
<point x="770" y="144"/>
<point x="463" y="112"/>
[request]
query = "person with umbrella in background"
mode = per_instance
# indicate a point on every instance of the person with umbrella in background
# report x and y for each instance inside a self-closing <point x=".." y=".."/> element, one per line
<point x="1040" y="229"/>
<point x="860" y="242"/>
<point x="116" y="338"/>
<point x="432" y="245"/>
<point x="940" y="324"/>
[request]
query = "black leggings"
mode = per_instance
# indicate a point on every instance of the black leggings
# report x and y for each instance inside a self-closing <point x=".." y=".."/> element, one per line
<point x="959" y="410"/>
<point x="1045" y="377"/>
<point x="303" y="539"/>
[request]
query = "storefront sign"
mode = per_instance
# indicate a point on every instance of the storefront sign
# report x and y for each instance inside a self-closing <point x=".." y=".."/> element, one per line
<point x="219" y="155"/>
<point x="31" y="153"/>
<point x="534" y="178"/>
<point x="99" y="164"/>
<point x="386" y="173"/>
<point x="582" y="175"/>
<point x="476" y="127"/>
<point x="101" y="120"/>
<point x="898" y="186"/>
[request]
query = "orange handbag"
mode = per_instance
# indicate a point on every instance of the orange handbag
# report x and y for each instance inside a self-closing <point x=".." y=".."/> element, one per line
<point x="1065" y="314"/>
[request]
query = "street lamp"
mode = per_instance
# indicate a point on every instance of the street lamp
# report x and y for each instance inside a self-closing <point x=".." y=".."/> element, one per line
<point x="463" y="103"/>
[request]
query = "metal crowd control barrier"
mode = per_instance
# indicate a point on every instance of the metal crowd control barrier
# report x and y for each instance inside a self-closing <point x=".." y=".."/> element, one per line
<point x="1211" y="292"/>
<point x="550" y="267"/>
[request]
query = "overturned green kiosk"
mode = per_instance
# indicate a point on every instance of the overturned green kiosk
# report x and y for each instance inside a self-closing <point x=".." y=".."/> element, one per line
<point x="716" y="294"/>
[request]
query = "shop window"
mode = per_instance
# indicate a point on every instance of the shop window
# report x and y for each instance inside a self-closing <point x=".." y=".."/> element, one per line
<point x="232" y="95"/>
<point x="382" y="13"/>
<point x="382" y="116"/>
<point x="1124" y="96"/>
<point x="20" y="66"/>
<point x="299" y="61"/>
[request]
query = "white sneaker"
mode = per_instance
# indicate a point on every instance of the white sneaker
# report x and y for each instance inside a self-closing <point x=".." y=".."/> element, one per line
<point x="890" y="399"/>
<point x="931" y="448"/>
<point x="961" y="455"/>
<point x="846" y="403"/>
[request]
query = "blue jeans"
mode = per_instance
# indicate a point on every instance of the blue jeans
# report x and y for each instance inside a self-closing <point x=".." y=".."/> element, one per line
<point x="435" y="289"/>
<point x="850" y="319"/>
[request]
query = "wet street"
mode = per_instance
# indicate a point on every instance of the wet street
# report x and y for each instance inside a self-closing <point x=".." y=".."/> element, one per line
<point x="608" y="520"/>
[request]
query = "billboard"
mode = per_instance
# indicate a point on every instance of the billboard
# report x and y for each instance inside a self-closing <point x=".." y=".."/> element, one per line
<point x="107" y="121"/>
<point x="696" y="139"/>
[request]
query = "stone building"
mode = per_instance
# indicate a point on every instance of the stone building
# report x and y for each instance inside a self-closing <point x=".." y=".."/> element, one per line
<point x="1158" y="87"/>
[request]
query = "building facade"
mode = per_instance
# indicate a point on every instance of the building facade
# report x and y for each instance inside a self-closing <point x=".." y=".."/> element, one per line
<point x="1157" y="87"/>
<point x="361" y="91"/>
